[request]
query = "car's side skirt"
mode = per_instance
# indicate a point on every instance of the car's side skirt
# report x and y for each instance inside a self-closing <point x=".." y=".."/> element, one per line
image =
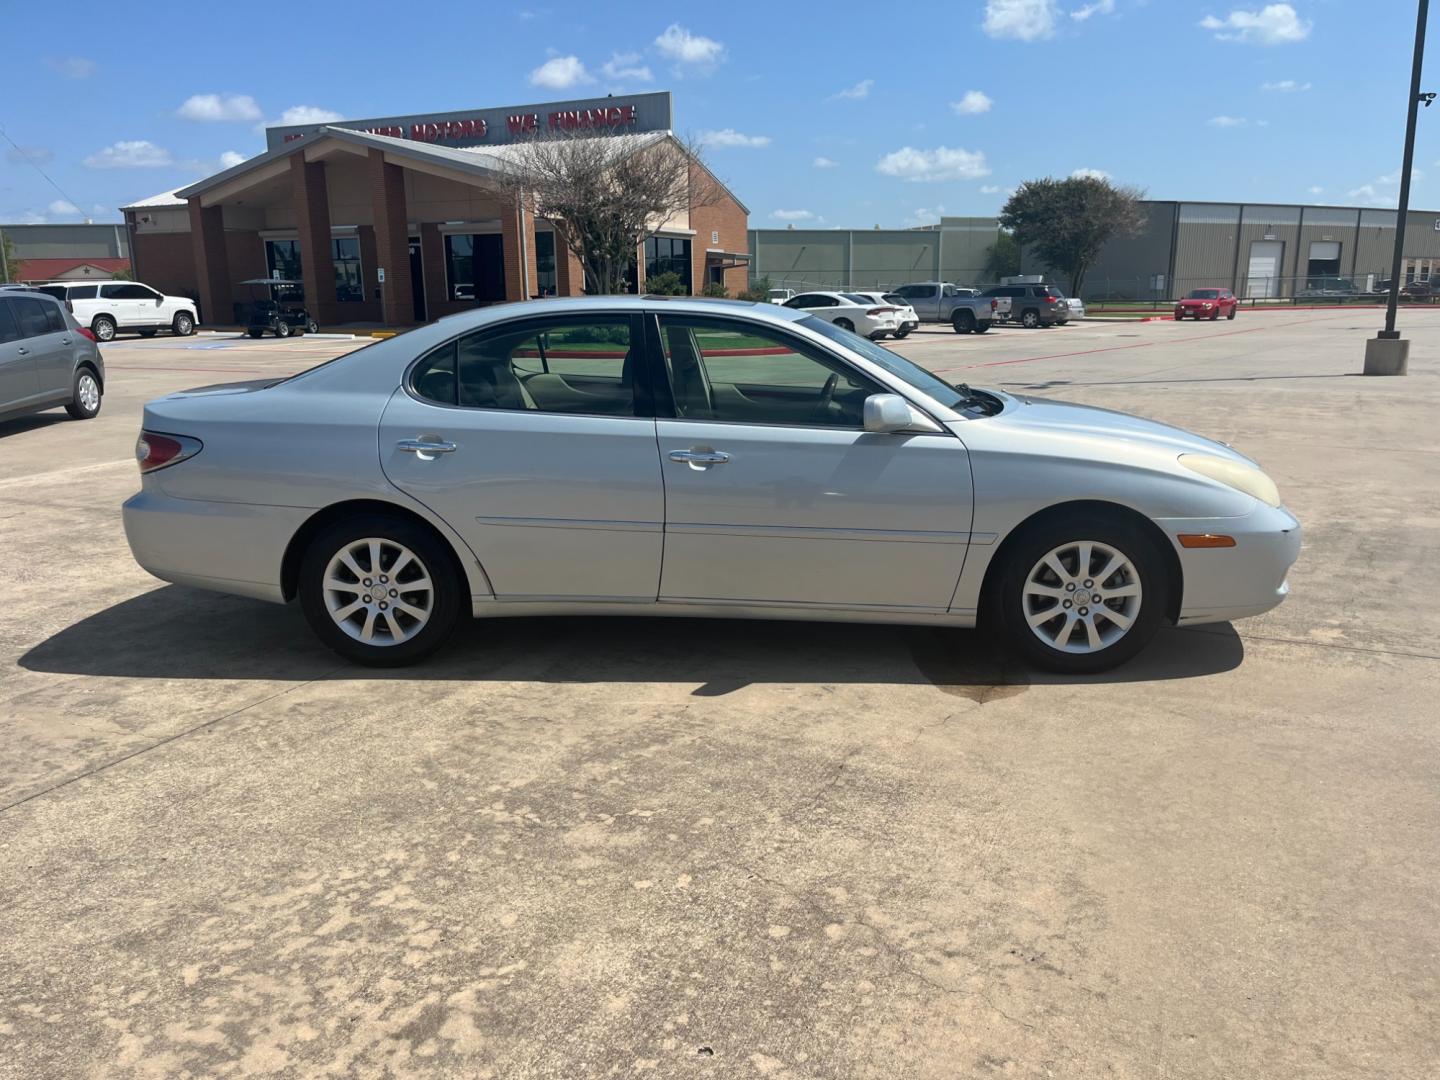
<point x="488" y="607"/>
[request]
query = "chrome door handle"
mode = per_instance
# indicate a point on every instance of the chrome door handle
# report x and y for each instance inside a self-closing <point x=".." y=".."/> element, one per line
<point x="64" y="341"/>
<point x="424" y="448"/>
<point x="699" y="457"/>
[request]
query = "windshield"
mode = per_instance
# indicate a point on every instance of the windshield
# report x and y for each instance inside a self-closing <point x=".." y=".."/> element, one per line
<point x="894" y="363"/>
<point x="1204" y="294"/>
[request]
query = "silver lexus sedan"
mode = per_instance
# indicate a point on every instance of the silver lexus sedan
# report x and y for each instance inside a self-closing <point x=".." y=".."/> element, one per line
<point x="658" y="456"/>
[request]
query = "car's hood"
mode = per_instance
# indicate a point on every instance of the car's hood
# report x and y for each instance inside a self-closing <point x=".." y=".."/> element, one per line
<point x="1064" y="418"/>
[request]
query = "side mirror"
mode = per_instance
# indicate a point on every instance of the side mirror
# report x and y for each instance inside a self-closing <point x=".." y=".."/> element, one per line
<point x="887" y="412"/>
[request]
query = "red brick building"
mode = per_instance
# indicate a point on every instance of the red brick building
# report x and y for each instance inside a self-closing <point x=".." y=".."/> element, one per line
<point x="411" y="218"/>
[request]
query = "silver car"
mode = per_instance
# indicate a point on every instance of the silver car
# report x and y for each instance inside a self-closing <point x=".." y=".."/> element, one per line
<point x="47" y="359"/>
<point x="634" y="455"/>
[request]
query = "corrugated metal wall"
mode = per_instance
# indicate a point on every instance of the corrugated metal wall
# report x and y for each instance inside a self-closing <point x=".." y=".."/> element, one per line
<point x="68" y="241"/>
<point x="1205" y="245"/>
<point x="1375" y="246"/>
<point x="1128" y="264"/>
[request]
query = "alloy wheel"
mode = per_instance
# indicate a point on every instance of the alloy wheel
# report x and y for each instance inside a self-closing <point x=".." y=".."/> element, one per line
<point x="1082" y="597"/>
<point x="378" y="591"/>
<point x="88" y="391"/>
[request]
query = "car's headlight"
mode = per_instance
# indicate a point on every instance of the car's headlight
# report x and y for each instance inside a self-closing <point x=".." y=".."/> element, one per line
<point x="1234" y="474"/>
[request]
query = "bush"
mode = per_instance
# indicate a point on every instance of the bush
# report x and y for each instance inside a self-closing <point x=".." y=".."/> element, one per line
<point x="667" y="284"/>
<point x="715" y="289"/>
<point x="759" y="290"/>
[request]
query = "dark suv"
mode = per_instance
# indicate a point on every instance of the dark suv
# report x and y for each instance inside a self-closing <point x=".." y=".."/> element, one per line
<point x="47" y="359"/>
<point x="1031" y="305"/>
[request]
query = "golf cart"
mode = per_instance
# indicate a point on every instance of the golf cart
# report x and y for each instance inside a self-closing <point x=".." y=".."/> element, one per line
<point x="277" y="306"/>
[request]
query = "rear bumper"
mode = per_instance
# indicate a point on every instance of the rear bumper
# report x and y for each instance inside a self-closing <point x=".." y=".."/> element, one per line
<point x="228" y="547"/>
<point x="1237" y="582"/>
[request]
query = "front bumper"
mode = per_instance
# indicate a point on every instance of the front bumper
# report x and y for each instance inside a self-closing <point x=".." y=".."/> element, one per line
<point x="228" y="547"/>
<point x="1234" y="583"/>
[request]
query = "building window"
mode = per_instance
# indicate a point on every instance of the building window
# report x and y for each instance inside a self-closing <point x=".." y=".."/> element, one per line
<point x="283" y="258"/>
<point x="545" y="280"/>
<point x="668" y="254"/>
<point x="349" y="280"/>
<point x="474" y="267"/>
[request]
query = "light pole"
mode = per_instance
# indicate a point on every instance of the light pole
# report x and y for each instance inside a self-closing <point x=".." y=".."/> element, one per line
<point x="1388" y="353"/>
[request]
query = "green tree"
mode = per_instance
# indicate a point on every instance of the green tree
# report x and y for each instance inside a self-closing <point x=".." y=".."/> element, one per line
<point x="717" y="290"/>
<point x="9" y="264"/>
<point x="667" y="284"/>
<point x="1002" y="258"/>
<point x="1067" y="222"/>
<point x="125" y="273"/>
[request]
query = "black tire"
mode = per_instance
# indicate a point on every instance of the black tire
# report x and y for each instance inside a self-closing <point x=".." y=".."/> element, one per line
<point x="255" y="333"/>
<point x="902" y="334"/>
<point x="434" y="559"/>
<point x="982" y="326"/>
<point x="184" y="324"/>
<point x="86" y="386"/>
<point x="1233" y="310"/>
<point x="1215" y="315"/>
<point x="312" y="327"/>
<point x="963" y="322"/>
<point x="1030" y="319"/>
<point x="146" y="333"/>
<point x="282" y="329"/>
<point x="103" y="327"/>
<point x="1007" y="602"/>
<point x="845" y="324"/>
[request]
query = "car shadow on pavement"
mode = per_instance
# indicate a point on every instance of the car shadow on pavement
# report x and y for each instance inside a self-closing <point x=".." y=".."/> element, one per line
<point x="18" y="424"/>
<point x="175" y="632"/>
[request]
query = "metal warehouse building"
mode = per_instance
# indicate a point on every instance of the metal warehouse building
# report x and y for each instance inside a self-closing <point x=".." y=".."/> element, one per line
<point x="1260" y="250"/>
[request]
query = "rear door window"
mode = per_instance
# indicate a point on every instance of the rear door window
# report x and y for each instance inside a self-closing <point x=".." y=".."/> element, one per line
<point x="83" y="292"/>
<point x="31" y="315"/>
<point x="9" y="328"/>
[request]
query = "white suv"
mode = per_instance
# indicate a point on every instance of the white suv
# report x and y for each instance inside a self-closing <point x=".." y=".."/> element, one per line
<point x="111" y="306"/>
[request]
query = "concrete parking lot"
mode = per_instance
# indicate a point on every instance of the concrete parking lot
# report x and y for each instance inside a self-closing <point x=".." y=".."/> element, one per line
<point x="574" y="847"/>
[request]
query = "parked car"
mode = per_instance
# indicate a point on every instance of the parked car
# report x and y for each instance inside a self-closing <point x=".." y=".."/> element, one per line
<point x="849" y="311"/>
<point x="47" y="359"/>
<point x="1416" y="290"/>
<point x="676" y="456"/>
<point x="779" y="296"/>
<point x="108" y="307"/>
<point x="1207" y="304"/>
<point x="1030" y="305"/>
<point x="940" y="301"/>
<point x="904" y="313"/>
<point x="1076" y="307"/>
<point x="277" y="306"/>
<point x="1327" y="288"/>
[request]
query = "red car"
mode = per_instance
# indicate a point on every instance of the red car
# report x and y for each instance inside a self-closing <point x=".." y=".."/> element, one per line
<point x="1207" y="304"/>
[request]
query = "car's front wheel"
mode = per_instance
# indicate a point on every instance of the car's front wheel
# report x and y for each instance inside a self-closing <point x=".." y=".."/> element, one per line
<point x="103" y="328"/>
<point x="282" y="329"/>
<point x="1082" y="594"/>
<point x="379" y="590"/>
<point x="184" y="325"/>
<point x="1232" y="314"/>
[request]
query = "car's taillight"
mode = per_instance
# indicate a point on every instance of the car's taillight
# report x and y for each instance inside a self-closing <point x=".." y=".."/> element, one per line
<point x="155" y="451"/>
<point x="992" y="305"/>
<point x="1049" y="299"/>
<point x="880" y="311"/>
<point x="86" y="332"/>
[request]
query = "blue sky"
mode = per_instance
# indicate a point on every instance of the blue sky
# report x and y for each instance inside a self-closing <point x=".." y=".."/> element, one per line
<point x="837" y="115"/>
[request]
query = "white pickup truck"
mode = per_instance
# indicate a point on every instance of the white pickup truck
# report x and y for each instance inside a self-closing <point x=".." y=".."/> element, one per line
<point x="111" y="306"/>
<point x="940" y="301"/>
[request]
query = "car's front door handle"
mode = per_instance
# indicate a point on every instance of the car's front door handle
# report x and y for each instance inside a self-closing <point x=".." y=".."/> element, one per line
<point x="426" y="449"/>
<point x="22" y="351"/>
<point x="699" y="458"/>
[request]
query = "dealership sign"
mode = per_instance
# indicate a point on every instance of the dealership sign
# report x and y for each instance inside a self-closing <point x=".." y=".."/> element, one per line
<point x="480" y="127"/>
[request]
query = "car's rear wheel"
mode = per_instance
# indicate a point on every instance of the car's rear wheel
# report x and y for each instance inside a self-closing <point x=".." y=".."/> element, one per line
<point x="184" y="325"/>
<point x="1030" y="319"/>
<point x="380" y="591"/>
<point x="103" y="327"/>
<point x="982" y="326"/>
<point x="963" y="322"/>
<point x="1082" y="594"/>
<point x="902" y="333"/>
<point x="845" y="324"/>
<point x="312" y="327"/>
<point x="85" y="400"/>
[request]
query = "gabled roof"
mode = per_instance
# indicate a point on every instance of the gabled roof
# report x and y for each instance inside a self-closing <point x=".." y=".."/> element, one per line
<point x="155" y="202"/>
<point x="46" y="269"/>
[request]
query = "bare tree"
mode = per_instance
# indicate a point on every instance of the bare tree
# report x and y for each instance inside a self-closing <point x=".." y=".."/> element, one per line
<point x="607" y="194"/>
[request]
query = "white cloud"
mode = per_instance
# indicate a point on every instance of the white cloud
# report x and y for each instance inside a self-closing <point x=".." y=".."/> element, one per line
<point x="793" y="215"/>
<point x="1090" y="174"/>
<point x="1394" y="177"/>
<point x="973" y="103"/>
<point x="214" y="107"/>
<point x="730" y="137"/>
<point x="308" y="114"/>
<point x="942" y="163"/>
<point x="626" y="66"/>
<point x="30" y="217"/>
<point x="38" y="155"/>
<point x="1316" y="190"/>
<point x="1274" y="24"/>
<point x="230" y="158"/>
<point x="823" y="162"/>
<point x="561" y="73"/>
<point x="1285" y="86"/>
<point x="72" y="67"/>
<point x="996" y="189"/>
<point x="1023" y="20"/>
<point x="683" y="47"/>
<point x="924" y="215"/>
<point x="132" y="154"/>
<point x="858" y="92"/>
<point x="63" y="206"/>
<point x="1227" y="121"/>
<point x="1099" y="7"/>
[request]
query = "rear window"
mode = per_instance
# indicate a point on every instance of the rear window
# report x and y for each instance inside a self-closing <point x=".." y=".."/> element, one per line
<point x="1046" y="290"/>
<point x="57" y="291"/>
<point x="857" y="298"/>
<point x="893" y="298"/>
